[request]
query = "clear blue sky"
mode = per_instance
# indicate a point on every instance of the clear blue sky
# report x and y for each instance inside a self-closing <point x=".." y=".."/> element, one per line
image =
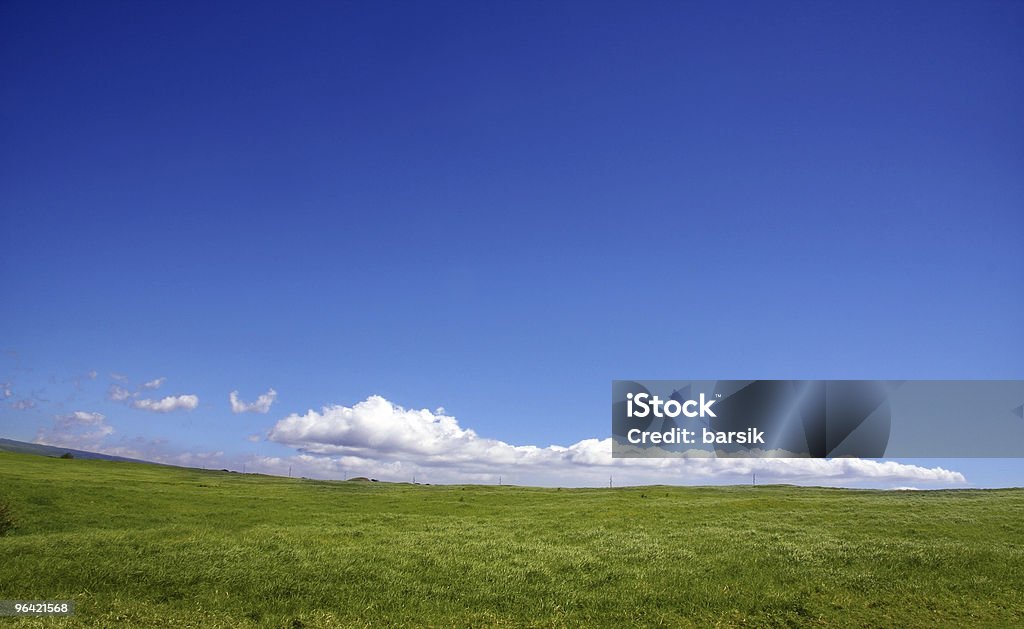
<point x="498" y="208"/>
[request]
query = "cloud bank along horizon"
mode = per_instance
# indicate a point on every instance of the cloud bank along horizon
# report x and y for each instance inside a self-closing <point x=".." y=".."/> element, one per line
<point x="379" y="438"/>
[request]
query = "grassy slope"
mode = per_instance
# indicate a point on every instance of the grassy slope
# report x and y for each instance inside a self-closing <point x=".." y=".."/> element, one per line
<point x="154" y="546"/>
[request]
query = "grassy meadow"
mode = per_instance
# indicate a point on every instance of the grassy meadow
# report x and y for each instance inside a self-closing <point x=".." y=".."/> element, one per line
<point x="152" y="546"/>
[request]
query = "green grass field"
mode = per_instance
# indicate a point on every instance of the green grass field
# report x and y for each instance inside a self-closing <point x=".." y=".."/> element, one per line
<point x="152" y="546"/>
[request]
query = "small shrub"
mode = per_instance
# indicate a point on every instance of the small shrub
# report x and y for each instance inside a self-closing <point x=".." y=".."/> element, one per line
<point x="6" y="518"/>
<point x="67" y="455"/>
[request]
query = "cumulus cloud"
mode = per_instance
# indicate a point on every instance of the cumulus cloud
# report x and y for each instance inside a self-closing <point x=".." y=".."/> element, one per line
<point x="167" y="404"/>
<point x="377" y="437"/>
<point x="153" y="384"/>
<point x="261" y="405"/>
<point x="118" y="393"/>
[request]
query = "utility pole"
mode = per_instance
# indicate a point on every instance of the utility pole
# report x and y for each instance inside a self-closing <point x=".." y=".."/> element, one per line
<point x="289" y="471"/>
<point x="499" y="480"/>
<point x="609" y="482"/>
<point x="754" y="479"/>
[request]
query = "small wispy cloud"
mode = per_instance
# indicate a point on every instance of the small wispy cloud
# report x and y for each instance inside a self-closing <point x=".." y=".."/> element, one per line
<point x="118" y="393"/>
<point x="261" y="405"/>
<point x="24" y="404"/>
<point x="168" y="404"/>
<point x="120" y="377"/>
<point x="77" y="379"/>
<point x="5" y="390"/>
<point x="154" y="384"/>
<point x="82" y="417"/>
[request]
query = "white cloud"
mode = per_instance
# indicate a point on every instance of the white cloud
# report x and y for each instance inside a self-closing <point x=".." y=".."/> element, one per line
<point x="82" y="430"/>
<point x="92" y="374"/>
<point x="83" y="417"/>
<point x="261" y="405"/>
<point x="24" y="404"/>
<point x="120" y="377"/>
<point x="153" y="384"/>
<point x="159" y="451"/>
<point x="377" y="438"/>
<point x="5" y="390"/>
<point x="168" y="404"/>
<point x="118" y="393"/>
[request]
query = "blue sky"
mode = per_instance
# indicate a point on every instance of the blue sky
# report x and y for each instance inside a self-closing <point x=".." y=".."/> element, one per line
<point x="499" y="208"/>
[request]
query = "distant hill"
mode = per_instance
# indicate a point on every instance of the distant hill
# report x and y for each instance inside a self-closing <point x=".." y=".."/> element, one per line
<point x="22" y="447"/>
